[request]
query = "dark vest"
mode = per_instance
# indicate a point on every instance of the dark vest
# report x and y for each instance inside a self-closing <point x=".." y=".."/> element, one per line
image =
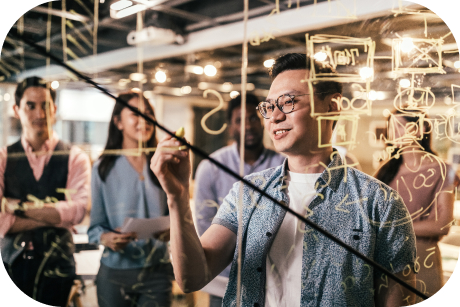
<point x="20" y="182"/>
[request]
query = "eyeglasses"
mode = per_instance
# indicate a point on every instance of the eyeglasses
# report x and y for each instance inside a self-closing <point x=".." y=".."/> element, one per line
<point x="284" y="102"/>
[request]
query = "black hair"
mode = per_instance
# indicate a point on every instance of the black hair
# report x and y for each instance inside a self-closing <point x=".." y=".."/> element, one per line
<point x="295" y="61"/>
<point x="387" y="172"/>
<point x="32" y="82"/>
<point x="115" y="137"/>
<point x="236" y="102"/>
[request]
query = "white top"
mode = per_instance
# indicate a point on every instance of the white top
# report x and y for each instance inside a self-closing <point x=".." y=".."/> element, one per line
<point x="284" y="261"/>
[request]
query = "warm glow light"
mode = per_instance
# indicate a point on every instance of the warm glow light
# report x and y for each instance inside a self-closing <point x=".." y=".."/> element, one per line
<point x="381" y="95"/>
<point x="372" y="95"/>
<point x="130" y="10"/>
<point x="407" y="44"/>
<point x="320" y="56"/>
<point x="7" y="97"/>
<point x="404" y="83"/>
<point x="136" y="90"/>
<point x="269" y="63"/>
<point x="123" y="82"/>
<point x="122" y="4"/>
<point x="457" y="64"/>
<point x="198" y="70"/>
<point x="202" y="86"/>
<point x="55" y="85"/>
<point x="186" y="89"/>
<point x="227" y="87"/>
<point x="210" y="70"/>
<point x="135" y="76"/>
<point x="160" y="76"/>
<point x="366" y="73"/>
<point x="250" y="86"/>
<point x="234" y="94"/>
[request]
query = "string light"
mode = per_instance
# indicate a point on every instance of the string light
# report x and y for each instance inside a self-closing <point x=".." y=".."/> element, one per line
<point x="234" y="94"/>
<point x="55" y="85"/>
<point x="407" y="44"/>
<point x="210" y="70"/>
<point x="135" y="76"/>
<point x="404" y="83"/>
<point x="320" y="56"/>
<point x="366" y="73"/>
<point x="160" y="76"/>
<point x="269" y="63"/>
<point x="186" y="89"/>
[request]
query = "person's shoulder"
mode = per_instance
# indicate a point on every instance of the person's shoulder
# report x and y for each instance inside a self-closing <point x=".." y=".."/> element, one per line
<point x="221" y="155"/>
<point x="222" y="152"/>
<point x="77" y="154"/>
<point x="365" y="181"/>
<point x="266" y="174"/>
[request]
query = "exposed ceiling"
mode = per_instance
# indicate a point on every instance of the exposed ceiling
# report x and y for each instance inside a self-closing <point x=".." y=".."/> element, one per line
<point x="213" y="34"/>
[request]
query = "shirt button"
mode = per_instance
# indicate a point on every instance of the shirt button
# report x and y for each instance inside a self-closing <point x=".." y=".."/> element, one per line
<point x="356" y="237"/>
<point x="256" y="304"/>
<point x="268" y="234"/>
<point x="259" y="269"/>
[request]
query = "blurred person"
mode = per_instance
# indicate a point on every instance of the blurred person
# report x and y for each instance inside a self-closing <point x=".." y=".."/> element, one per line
<point x="132" y="272"/>
<point x="285" y="262"/>
<point x="212" y="184"/>
<point x="44" y="186"/>
<point x="426" y="184"/>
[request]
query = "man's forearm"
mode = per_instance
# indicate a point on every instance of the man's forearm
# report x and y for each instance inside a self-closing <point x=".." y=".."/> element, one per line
<point x="23" y="224"/>
<point x="48" y="215"/>
<point x="190" y="265"/>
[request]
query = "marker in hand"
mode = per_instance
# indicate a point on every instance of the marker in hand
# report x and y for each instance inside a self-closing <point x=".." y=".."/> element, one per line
<point x="180" y="133"/>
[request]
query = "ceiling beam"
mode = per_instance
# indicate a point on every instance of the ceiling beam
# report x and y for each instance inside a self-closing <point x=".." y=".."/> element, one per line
<point x="292" y="21"/>
<point x="60" y="13"/>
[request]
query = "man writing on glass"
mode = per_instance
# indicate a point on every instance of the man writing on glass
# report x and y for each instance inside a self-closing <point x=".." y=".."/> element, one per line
<point x="285" y="262"/>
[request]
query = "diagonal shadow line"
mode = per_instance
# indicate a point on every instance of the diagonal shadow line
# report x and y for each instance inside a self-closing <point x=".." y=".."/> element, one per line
<point x="203" y="154"/>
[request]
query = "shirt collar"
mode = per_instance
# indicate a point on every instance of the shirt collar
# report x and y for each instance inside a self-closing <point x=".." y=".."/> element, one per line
<point x="330" y="177"/>
<point x="49" y="144"/>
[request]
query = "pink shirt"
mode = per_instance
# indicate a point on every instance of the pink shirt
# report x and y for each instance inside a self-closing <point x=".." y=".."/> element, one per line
<point x="71" y="210"/>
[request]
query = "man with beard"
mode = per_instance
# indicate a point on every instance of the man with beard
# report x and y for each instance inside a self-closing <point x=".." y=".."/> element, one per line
<point x="212" y="184"/>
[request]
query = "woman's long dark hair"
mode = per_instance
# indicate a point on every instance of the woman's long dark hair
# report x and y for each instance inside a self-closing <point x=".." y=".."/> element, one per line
<point x="115" y="138"/>
<point x="387" y="172"/>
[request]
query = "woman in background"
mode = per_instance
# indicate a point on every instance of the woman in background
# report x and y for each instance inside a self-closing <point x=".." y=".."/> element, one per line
<point x="132" y="272"/>
<point x="426" y="184"/>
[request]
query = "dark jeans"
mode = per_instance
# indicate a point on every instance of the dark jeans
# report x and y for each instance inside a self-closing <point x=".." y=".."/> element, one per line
<point x="134" y="287"/>
<point x="50" y="286"/>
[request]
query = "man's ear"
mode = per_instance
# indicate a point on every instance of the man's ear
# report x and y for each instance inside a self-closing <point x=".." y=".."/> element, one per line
<point x="16" y="111"/>
<point x="55" y="107"/>
<point x="335" y="102"/>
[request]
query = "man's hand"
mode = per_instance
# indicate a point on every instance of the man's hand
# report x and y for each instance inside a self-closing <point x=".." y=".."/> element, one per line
<point x="115" y="241"/>
<point x="172" y="167"/>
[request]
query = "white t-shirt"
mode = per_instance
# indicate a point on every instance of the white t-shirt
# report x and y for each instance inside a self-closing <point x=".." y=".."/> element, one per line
<point x="284" y="260"/>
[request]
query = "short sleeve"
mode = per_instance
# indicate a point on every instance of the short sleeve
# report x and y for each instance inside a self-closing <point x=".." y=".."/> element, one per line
<point x="395" y="241"/>
<point x="206" y="202"/>
<point x="227" y="214"/>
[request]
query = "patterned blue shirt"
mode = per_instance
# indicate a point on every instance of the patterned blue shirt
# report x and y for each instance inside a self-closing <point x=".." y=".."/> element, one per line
<point x="354" y="207"/>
